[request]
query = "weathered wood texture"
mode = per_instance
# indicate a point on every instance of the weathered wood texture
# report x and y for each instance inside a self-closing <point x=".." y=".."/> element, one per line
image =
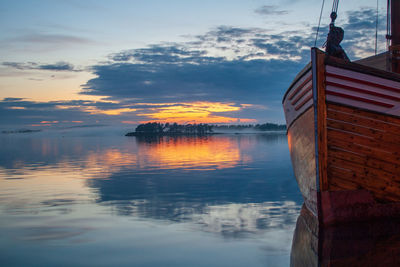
<point x="301" y="140"/>
<point x="363" y="152"/>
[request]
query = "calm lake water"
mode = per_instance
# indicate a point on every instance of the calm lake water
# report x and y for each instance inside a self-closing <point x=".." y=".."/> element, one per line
<point x="75" y="200"/>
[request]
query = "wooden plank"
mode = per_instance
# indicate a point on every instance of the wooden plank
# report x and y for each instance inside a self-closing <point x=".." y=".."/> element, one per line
<point x="338" y="112"/>
<point x="376" y="134"/>
<point x="393" y="149"/>
<point x="341" y="179"/>
<point x="363" y="160"/>
<point x="347" y="179"/>
<point x="368" y="114"/>
<point x="370" y="176"/>
<point x="364" y="150"/>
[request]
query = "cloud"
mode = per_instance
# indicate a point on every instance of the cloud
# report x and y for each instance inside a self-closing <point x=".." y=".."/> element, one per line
<point x="18" y="111"/>
<point x="47" y="38"/>
<point x="219" y="80"/>
<point x="59" y="66"/>
<point x="227" y="65"/>
<point x="268" y="10"/>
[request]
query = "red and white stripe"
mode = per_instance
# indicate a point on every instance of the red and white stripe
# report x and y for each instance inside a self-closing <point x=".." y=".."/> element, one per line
<point x="299" y="98"/>
<point x="362" y="91"/>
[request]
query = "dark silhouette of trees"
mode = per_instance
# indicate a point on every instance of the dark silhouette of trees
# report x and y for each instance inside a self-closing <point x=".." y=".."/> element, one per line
<point x="260" y="127"/>
<point x="160" y="129"/>
<point x="156" y="128"/>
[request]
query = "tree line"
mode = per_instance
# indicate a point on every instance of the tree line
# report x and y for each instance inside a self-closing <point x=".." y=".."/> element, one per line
<point x="262" y="127"/>
<point x="156" y="128"/>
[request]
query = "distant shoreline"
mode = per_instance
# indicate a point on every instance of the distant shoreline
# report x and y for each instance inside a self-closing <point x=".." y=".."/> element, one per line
<point x="173" y="129"/>
<point x="168" y="134"/>
<point x="205" y="134"/>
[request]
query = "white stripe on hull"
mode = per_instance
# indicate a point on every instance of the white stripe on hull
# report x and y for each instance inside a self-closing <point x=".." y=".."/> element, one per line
<point x="362" y="91"/>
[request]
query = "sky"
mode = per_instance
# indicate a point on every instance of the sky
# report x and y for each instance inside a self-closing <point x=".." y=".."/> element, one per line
<point x="75" y="63"/>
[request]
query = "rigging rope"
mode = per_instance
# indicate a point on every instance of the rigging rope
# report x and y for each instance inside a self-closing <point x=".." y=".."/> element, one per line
<point x="319" y="23"/>
<point x="335" y="6"/>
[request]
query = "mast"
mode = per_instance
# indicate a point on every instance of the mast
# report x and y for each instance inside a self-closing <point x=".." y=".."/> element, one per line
<point x="395" y="35"/>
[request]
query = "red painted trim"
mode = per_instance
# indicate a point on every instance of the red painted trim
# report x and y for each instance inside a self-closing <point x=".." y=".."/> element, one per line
<point x="300" y="87"/>
<point x="308" y="89"/>
<point x="303" y="102"/>
<point x="361" y="99"/>
<point x="363" y="91"/>
<point x="363" y="82"/>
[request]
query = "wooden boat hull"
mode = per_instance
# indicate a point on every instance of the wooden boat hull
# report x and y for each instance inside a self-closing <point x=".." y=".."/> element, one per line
<point x="344" y="139"/>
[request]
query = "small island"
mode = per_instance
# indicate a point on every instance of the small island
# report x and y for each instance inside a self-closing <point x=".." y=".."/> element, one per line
<point x="170" y="129"/>
<point x="21" y="131"/>
<point x="174" y="129"/>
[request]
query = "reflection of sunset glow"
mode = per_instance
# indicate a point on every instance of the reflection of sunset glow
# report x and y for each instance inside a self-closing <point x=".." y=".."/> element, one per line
<point x="289" y="138"/>
<point x="67" y="176"/>
<point x="196" y="112"/>
<point x="214" y="153"/>
<point x="167" y="153"/>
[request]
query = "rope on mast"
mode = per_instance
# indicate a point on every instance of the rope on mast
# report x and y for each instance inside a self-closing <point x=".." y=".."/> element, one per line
<point x="319" y="23"/>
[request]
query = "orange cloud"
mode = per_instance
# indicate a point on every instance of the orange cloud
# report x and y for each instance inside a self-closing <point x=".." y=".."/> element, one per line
<point x="48" y="122"/>
<point x="195" y="112"/>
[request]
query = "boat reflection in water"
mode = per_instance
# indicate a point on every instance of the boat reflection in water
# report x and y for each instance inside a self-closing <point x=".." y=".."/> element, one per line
<point x="373" y="243"/>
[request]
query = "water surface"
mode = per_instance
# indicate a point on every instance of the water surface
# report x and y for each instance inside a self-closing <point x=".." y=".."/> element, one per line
<point x="222" y="200"/>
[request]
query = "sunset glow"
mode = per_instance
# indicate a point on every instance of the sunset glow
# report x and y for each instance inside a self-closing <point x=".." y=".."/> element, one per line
<point x="196" y="112"/>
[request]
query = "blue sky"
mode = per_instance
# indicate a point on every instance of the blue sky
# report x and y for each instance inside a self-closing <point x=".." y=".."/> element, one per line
<point x="125" y="62"/>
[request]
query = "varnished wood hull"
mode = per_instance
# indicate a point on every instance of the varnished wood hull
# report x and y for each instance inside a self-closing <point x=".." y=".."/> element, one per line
<point x="344" y="138"/>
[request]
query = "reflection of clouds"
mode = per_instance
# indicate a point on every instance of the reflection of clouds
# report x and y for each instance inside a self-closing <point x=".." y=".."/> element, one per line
<point x="46" y="233"/>
<point x="236" y="219"/>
